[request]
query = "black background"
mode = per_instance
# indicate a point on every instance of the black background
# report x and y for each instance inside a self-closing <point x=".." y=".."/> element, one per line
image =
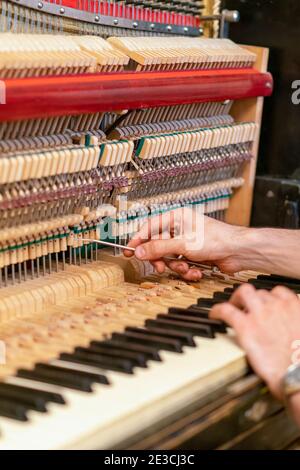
<point x="275" y="24"/>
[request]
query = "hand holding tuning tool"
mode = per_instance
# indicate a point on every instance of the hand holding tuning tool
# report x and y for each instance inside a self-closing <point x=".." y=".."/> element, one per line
<point x="192" y="264"/>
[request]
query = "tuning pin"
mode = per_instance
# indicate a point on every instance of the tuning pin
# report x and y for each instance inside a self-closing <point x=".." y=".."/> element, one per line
<point x="25" y="270"/>
<point x="13" y="274"/>
<point x="20" y="272"/>
<point x="32" y="268"/>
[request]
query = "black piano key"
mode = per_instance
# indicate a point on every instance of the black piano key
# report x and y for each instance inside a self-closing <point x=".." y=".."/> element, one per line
<point x="279" y="279"/>
<point x="147" y="351"/>
<point x="57" y="378"/>
<point x="223" y="296"/>
<point x="216" y="325"/>
<point x="185" y="338"/>
<point x="93" y="377"/>
<point x="10" y="408"/>
<point x="200" y="312"/>
<point x="208" y="303"/>
<point x="203" y="331"/>
<point x="269" y="285"/>
<point x="192" y="310"/>
<point x="135" y="358"/>
<point x="98" y="360"/>
<point x="167" y="344"/>
<point x="30" y="398"/>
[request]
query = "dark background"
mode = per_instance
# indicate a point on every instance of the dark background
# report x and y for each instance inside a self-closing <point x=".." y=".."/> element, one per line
<point x="275" y="24"/>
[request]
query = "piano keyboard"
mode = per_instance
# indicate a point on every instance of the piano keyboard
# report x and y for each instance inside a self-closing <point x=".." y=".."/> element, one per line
<point x="107" y="365"/>
<point x="108" y="362"/>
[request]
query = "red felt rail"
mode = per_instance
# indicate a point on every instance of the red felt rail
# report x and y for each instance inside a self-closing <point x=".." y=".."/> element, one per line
<point x="77" y="94"/>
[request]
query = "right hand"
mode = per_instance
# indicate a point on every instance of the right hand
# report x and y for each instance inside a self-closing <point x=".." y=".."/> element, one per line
<point x="173" y="233"/>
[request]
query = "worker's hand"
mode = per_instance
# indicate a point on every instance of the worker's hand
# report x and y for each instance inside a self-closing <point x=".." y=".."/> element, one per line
<point x="192" y="235"/>
<point x="267" y="325"/>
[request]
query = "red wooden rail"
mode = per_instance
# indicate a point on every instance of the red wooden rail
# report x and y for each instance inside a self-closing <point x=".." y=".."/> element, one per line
<point x="70" y="95"/>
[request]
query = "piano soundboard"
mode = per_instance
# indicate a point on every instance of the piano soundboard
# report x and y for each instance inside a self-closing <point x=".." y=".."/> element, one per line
<point x="112" y="112"/>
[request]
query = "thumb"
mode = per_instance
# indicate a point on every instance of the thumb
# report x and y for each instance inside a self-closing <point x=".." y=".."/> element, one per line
<point x="157" y="249"/>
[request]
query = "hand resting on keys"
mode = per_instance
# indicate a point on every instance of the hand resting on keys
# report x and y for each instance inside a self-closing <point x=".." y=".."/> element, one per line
<point x="267" y="325"/>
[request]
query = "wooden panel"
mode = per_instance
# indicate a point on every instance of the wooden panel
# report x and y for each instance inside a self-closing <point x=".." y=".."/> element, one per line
<point x="239" y="212"/>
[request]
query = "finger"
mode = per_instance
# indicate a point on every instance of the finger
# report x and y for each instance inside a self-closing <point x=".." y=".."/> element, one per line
<point x="193" y="275"/>
<point x="265" y="296"/>
<point x="283" y="293"/>
<point x="153" y="229"/>
<point x="179" y="267"/>
<point x="156" y="249"/>
<point x="230" y="314"/>
<point x="246" y="298"/>
<point x="159" y="266"/>
<point x="134" y="242"/>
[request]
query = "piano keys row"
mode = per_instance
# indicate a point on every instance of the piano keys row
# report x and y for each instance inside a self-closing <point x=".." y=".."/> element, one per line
<point x="123" y="353"/>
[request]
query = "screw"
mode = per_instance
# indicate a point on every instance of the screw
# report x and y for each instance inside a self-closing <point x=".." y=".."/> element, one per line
<point x="97" y="19"/>
<point x="116" y="21"/>
<point x="61" y="11"/>
<point x="135" y="24"/>
<point x="40" y="5"/>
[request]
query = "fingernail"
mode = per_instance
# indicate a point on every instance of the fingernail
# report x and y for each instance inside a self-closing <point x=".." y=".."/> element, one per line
<point x="140" y="252"/>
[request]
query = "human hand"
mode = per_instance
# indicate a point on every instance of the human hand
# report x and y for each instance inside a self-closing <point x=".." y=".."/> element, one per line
<point x="267" y="325"/>
<point x="194" y="236"/>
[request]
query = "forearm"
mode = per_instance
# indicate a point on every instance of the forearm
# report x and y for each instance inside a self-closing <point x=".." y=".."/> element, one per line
<point x="273" y="251"/>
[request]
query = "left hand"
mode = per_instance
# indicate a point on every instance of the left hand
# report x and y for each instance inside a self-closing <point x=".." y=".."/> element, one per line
<point x="267" y="325"/>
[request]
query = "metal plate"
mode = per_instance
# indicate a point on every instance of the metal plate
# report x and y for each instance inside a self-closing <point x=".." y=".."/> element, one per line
<point x="101" y="20"/>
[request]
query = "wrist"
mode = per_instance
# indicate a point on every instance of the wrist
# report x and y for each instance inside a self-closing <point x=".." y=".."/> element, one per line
<point x="248" y="247"/>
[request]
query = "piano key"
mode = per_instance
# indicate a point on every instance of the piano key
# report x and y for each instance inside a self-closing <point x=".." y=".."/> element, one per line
<point x="278" y="279"/>
<point x="93" y="377"/>
<point x="28" y="402"/>
<point x="31" y="399"/>
<point x="269" y="285"/>
<point x="15" y="390"/>
<point x="105" y="362"/>
<point x="197" y="330"/>
<point x="216" y="325"/>
<point x="185" y="338"/>
<point x="224" y="296"/>
<point x="13" y="409"/>
<point x="147" y="351"/>
<point x="135" y="358"/>
<point x="57" y="378"/>
<point x="166" y="344"/>
<point x="208" y="303"/>
<point x="196" y="310"/>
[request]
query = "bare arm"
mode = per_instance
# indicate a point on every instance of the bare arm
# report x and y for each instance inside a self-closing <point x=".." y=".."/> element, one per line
<point x="274" y="251"/>
<point x="231" y="248"/>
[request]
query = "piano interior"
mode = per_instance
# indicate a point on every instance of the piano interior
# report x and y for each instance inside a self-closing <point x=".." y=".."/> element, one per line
<point x="112" y="112"/>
